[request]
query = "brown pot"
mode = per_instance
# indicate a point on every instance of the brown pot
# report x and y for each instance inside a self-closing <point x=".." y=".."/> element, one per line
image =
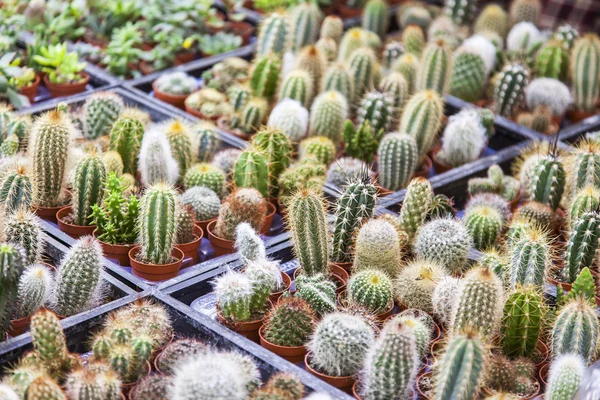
<point x="30" y="91"/>
<point x="204" y="224"/>
<point x="220" y="246"/>
<point x="153" y="272"/>
<point x="293" y="354"/>
<point x="145" y="68"/>
<point x="269" y="219"/>
<point x="247" y="329"/>
<point x="287" y="282"/>
<point x="537" y="391"/>
<point x="346" y="265"/>
<point x="190" y="250"/>
<point x="240" y="28"/>
<point x="566" y="286"/>
<point x="19" y="326"/>
<point x="66" y="89"/>
<point x="119" y="252"/>
<point x="543" y="374"/>
<point x="88" y="37"/>
<point x="344" y="383"/>
<point x="75" y="231"/>
<point x="46" y="213"/>
<point x="341" y="275"/>
<point x="222" y="123"/>
<point x="424" y="168"/>
<point x="198" y="114"/>
<point x="348" y="12"/>
<point x="543" y="350"/>
<point x="576" y="116"/>
<point x="437" y="346"/>
<point x="183" y="58"/>
<point x="440" y="167"/>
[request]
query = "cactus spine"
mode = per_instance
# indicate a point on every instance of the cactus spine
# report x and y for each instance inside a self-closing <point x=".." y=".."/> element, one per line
<point x="416" y="205"/>
<point x="338" y="78"/>
<point x="264" y="77"/>
<point x="251" y="171"/>
<point x="362" y="69"/>
<point x="179" y="138"/>
<point x="510" y="88"/>
<point x="88" y="187"/>
<point x="101" y="110"/>
<point x="397" y="155"/>
<point x="375" y="17"/>
<point x="585" y="70"/>
<point x="274" y="35"/>
<point x="207" y="140"/>
<point x="313" y="61"/>
<point x="15" y="190"/>
<point x="371" y="289"/>
<point x="565" y="377"/>
<point x="156" y="161"/>
<point x="327" y="115"/>
<point x="277" y="149"/>
<point x="576" y="330"/>
<point x="126" y="138"/>
<point x="378" y="246"/>
<point x="484" y="223"/>
<point x="320" y="147"/>
<point x="525" y="10"/>
<point x="23" y="228"/>
<point x="436" y="68"/>
<point x="548" y="181"/>
<point x="377" y="109"/>
<point x="12" y="263"/>
<point x="585" y="165"/>
<point x="395" y="87"/>
<point x="332" y="27"/>
<point x="582" y="245"/>
<point x="422" y="118"/>
<point x="445" y="241"/>
<point x="521" y="325"/>
<point x="461" y="11"/>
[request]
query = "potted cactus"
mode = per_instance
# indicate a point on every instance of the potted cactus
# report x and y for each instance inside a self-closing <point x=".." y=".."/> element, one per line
<point x="174" y="88"/>
<point x="189" y="235"/>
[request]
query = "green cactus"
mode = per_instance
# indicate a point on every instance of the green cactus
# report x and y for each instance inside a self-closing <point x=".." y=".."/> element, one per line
<point x="445" y="241"/>
<point x="277" y="149"/>
<point x="421" y="324"/>
<point x="253" y="116"/>
<point x="460" y="371"/>
<point x="585" y="200"/>
<point x="23" y="228"/>
<point x="415" y="283"/>
<point x="88" y="187"/>
<point x="185" y="224"/>
<point x="492" y="18"/>
<point x="361" y="143"/>
<point x="238" y="97"/>
<point x="353" y="39"/>
<point x="378" y="247"/>
<point x="289" y="323"/>
<point x="126" y="138"/>
<point x="413" y="39"/>
<point x="318" y="292"/>
<point x="156" y="160"/>
<point x="205" y="175"/>
<point x="44" y="388"/>
<point x="265" y="276"/>
<point x="416" y="205"/>
<point x="585" y="166"/>
<point x="297" y="85"/>
<point x="15" y="190"/>
<point x="575" y="330"/>
<point x="479" y="303"/>
<point x="443" y="298"/>
<point x="113" y="162"/>
<point x="584" y="64"/>
<point x="287" y="383"/>
<point x="338" y="78"/>
<point x="552" y="61"/>
<point x="583" y="287"/>
<point x="353" y="207"/>
<point x="565" y="377"/>
<point x="395" y="87"/>
<point x="376" y="17"/>
<point x="328" y="48"/>
<point x="441" y="207"/>
<point x="327" y="115"/>
<point x="242" y="205"/>
<point x="422" y="118"/>
<point x="251" y="171"/>
<point x="311" y="60"/>
<point x="177" y="351"/>
<point x="20" y="126"/>
<point x="408" y="65"/>
<point x="484" y="223"/>
<point x="567" y="35"/>
<point x="548" y="181"/>
<point x="309" y="173"/>
<point x="180" y="141"/>
<point x="10" y="146"/>
<point x="530" y="258"/>
<point x="510" y="88"/>
<point x="362" y="65"/>
<point x="377" y="109"/>
<point x="306" y="21"/>
<point x="308" y="227"/>
<point x="461" y="11"/>
<point x="264" y="77"/>
<point x="582" y="245"/>
<point x="392" y="51"/>
<point x="49" y="344"/>
<point x="206" y="139"/>
<point x="94" y="382"/>
<point x="274" y="35"/>
<point x="525" y="10"/>
<point x="469" y="75"/>
<point x="371" y="289"/>
<point x="397" y="155"/>
<point x="332" y="27"/>
<point x="35" y="286"/>
<point x="320" y="147"/>
<point x="536" y="213"/>
<point x="100" y="111"/>
<point x="521" y="326"/>
<point x="12" y="264"/>
<point x="233" y="292"/>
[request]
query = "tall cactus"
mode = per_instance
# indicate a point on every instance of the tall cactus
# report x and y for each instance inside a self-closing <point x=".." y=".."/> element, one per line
<point x="417" y="203"/>
<point x="156" y="161"/>
<point x="23" y="228"/>
<point x="585" y="70"/>
<point x="362" y="69"/>
<point x="307" y="222"/>
<point x="524" y="310"/>
<point x="274" y="35"/>
<point x="88" y="187"/>
<point x="327" y="115"/>
<point x="436" y="68"/>
<point x="422" y="118"/>
<point x="397" y="157"/>
<point x="354" y="207"/>
<point x="35" y="287"/>
<point x="414" y="39"/>
<point x="306" y="21"/>
<point x="378" y="246"/>
<point x="251" y="171"/>
<point x="548" y="181"/>
<point x="525" y="10"/>
<point x="530" y="258"/>
<point x="376" y="17"/>
<point x="126" y="138"/>
<point x="338" y="78"/>
<point x="565" y="377"/>
<point x="396" y="88"/>
<point x="510" y="88"/>
<point x="584" y="200"/>
<point x="100" y="111"/>
<point x="264" y="77"/>
<point x="314" y="62"/>
<point x="277" y="148"/>
<point x="585" y="166"/>
<point x="12" y="264"/>
<point x="179" y="136"/>
<point x="582" y="245"/>
<point x="575" y="330"/>
<point x="16" y="190"/>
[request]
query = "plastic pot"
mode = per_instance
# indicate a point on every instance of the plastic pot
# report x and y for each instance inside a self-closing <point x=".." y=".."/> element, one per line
<point x="576" y="116"/>
<point x="344" y="383"/>
<point x="154" y="272"/>
<point x="66" y="89"/>
<point x="293" y="354"/>
<point x="247" y="329"/>
<point x="220" y="246"/>
<point x="177" y="100"/>
<point x="190" y="250"/>
<point x="264" y="230"/>
<point x="287" y="282"/>
<point x="46" y="213"/>
<point x="119" y="252"/>
<point x="75" y="231"/>
<point x="198" y="114"/>
<point x="204" y="224"/>
<point x="184" y="58"/>
<point x="30" y="91"/>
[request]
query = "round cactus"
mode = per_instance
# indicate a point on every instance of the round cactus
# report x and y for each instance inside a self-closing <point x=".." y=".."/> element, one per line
<point x="461" y="11"/>
<point x="291" y="118"/>
<point x="484" y="223"/>
<point x="152" y="387"/>
<point x="445" y="241"/>
<point x="567" y="35"/>
<point x="378" y="247"/>
<point x="328" y="114"/>
<point x="510" y="88"/>
<point x="100" y="111"/>
<point x="242" y="205"/>
<point x="297" y="85"/>
<point x="176" y="352"/>
<point x="392" y="51"/>
<point x="23" y="228"/>
<point x="345" y="169"/>
<point x="376" y="108"/>
<point x="289" y="323"/>
<point x="233" y="292"/>
<point x="338" y="78"/>
<point x="203" y="201"/>
<point x="521" y="325"/>
<point x="413" y="39"/>
<point x="205" y="175"/>
<point x="371" y="289"/>
<point x="318" y="292"/>
<point x="525" y="10"/>
<point x="444" y="295"/>
<point x="332" y="27"/>
<point x="469" y="76"/>
<point x="320" y="147"/>
<point x="416" y="282"/>
<point x="492" y="18"/>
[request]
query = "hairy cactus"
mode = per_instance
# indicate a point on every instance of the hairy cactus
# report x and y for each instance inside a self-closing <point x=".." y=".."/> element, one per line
<point x="176" y="352"/>
<point x="35" y="286"/>
<point x="524" y="310"/>
<point x="378" y="247"/>
<point x="469" y="75"/>
<point x="44" y="388"/>
<point x="152" y="387"/>
<point x="444" y="295"/>
<point x="264" y="77"/>
<point x="436" y="68"/>
<point x="265" y="276"/>
<point x="49" y="344"/>
<point x="248" y="244"/>
<point x="242" y="205"/>
<point x="463" y="141"/>
<point x="320" y="147"/>
<point x="338" y="78"/>
<point x="362" y="70"/>
<point x="397" y="155"/>
<point x="575" y="330"/>
<point x="16" y="190"/>
<point x="318" y="292"/>
<point x="327" y="115"/>
<point x="277" y="150"/>
<point x="291" y="118"/>
<point x="479" y="303"/>
<point x="298" y="85"/>
<point x="525" y="10"/>
<point x="582" y="245"/>
<point x="185" y="225"/>
<point x="460" y="371"/>
<point x="413" y="39"/>
<point x="328" y="48"/>
<point x="100" y="111"/>
<point x="552" y="61"/>
<point x="289" y="323"/>
<point x="565" y="377"/>
<point x="584" y="200"/>
<point x="51" y="138"/>
<point x="415" y="283"/>
<point x="484" y="223"/>
<point x="416" y="205"/>
<point x="286" y="383"/>
<point x="492" y="18"/>
<point x="371" y="289"/>
<point x="23" y="228"/>
<point x="274" y="35"/>
<point x="78" y="283"/>
<point x="88" y="187"/>
<point x="126" y="137"/>
<point x="445" y="241"/>
<point x="233" y="292"/>
<point x="308" y="227"/>
<point x="375" y="17"/>
<point x="548" y="181"/>
<point x="156" y="161"/>
<point x="422" y="118"/>
<point x="332" y="27"/>
<point x="207" y="176"/>
<point x="346" y="168"/>
<point x="203" y="202"/>
<point x="531" y="257"/>
<point x="113" y="162"/>
<point x="340" y="344"/>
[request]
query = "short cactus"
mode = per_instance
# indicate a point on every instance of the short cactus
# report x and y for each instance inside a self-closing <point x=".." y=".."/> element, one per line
<point x="318" y="292"/>
<point x="442" y="206"/>
<point x="233" y="292"/>
<point x="415" y="283"/>
<point x="531" y="258"/>
<point x="469" y="76"/>
<point x="445" y="241"/>
<point x="152" y="387"/>
<point x="444" y="295"/>
<point x="327" y="115"/>
<point x="24" y="229"/>
<point x="94" y="381"/>
<point x="408" y="65"/>
<point x="492" y="18"/>
<point x="416" y="205"/>
<point x="397" y="155"/>
<point x="375" y="17"/>
<point x="536" y="213"/>
<point x="185" y="225"/>
<point x="463" y="141"/>
<point x="242" y="205"/>
<point x="287" y="383"/>
<point x="396" y="88"/>
<point x="392" y="51"/>
<point x="16" y="190"/>
<point x="126" y="137"/>
<point x="548" y="181"/>
<point x="12" y="264"/>
<point x="585" y="200"/>
<point x="582" y="245"/>
<point x="565" y="377"/>
<point x="521" y="326"/>
<point x="413" y="39"/>
<point x="44" y="388"/>
<point x="205" y="175"/>
<point x="378" y="247"/>
<point x="332" y="27"/>
<point x="113" y="162"/>
<point x="291" y="118"/>
<point x="176" y="83"/>
<point x="289" y="323"/>
<point x="525" y="10"/>
<point x="264" y="77"/>
<point x="327" y="47"/>
<point x="176" y="352"/>
<point x="371" y="289"/>
<point x="277" y="150"/>
<point x="362" y="70"/>
<point x="100" y="111"/>
<point x="88" y="187"/>
<point x="436" y="68"/>
<point x="510" y="88"/>
<point x="156" y="161"/>
<point x="311" y="60"/>
<point x="337" y="77"/>
<point x="274" y="35"/>
<point x="575" y="330"/>
<point x="320" y="147"/>
<point x="376" y="108"/>
<point x="484" y="223"/>
<point x="206" y="139"/>
<point x="35" y="286"/>
<point x="552" y="61"/>
<point x="297" y="85"/>
<point x="251" y="171"/>
<point x="461" y="11"/>
<point x="422" y="118"/>
<point x="49" y="344"/>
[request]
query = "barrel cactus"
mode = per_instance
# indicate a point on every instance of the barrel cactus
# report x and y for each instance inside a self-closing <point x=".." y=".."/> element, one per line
<point x="205" y="175"/>
<point x="16" y="190"/>
<point x="436" y="68"/>
<point x="328" y="114"/>
<point x="242" y="205"/>
<point x="584" y="66"/>
<point x="446" y="241"/>
<point x="100" y="111"/>
<point x="371" y="289"/>
<point x="274" y="35"/>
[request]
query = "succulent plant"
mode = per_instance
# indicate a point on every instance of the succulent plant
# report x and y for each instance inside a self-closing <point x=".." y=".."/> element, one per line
<point x="290" y="322"/>
<point x="436" y="68"/>
<point x="179" y="136"/>
<point x="584" y="70"/>
<point x="251" y="171"/>
<point x="126" y="137"/>
<point x="584" y="165"/>
<point x="44" y="388"/>
<point x="445" y="241"/>
<point x="378" y="247"/>
<point x="328" y="48"/>
<point x="277" y="149"/>
<point x="521" y="326"/>
<point x="242" y="205"/>
<point x="328" y="114"/>
<point x="12" y="264"/>
<point x="415" y="283"/>
<point x="361" y="142"/>
<point x="95" y="379"/>
<point x="332" y="27"/>
<point x="308" y="173"/>
<point x="375" y="17"/>
<point x="463" y="141"/>
<point x="584" y="200"/>
<point x="422" y="118"/>
<point x="552" y="61"/>
<point x="345" y="169"/>
<point x="575" y="330"/>
<point x="207" y="176"/>
<point x="408" y="65"/>
<point x="565" y="377"/>
<point x="100" y="111"/>
<point x="90" y="174"/>
<point x="209" y="102"/>
<point x="525" y="10"/>
<point x="248" y="244"/>
<point x="314" y="62"/>
<point x="156" y="160"/>
<point x="548" y="92"/>
<point x="510" y="88"/>
<point x="306" y="19"/>
<point x="264" y="77"/>
<point x="492" y="18"/>
<point x="23" y="228"/>
<point x="469" y="75"/>
<point x="291" y="118"/>
<point x="548" y="181"/>
<point x="371" y="289"/>
<point x="297" y="85"/>
<point x="484" y="223"/>
<point x="152" y="387"/>
<point x="318" y="292"/>
<point x="287" y="384"/>
<point x="362" y="70"/>
<point x="16" y="190"/>
<point x="392" y="51"/>
<point x="531" y="257"/>
<point x="35" y="285"/>
<point x="397" y="155"/>
<point x="413" y="39"/>
<point x="416" y="205"/>
<point x="320" y="147"/>
<point x="176" y="352"/>
<point x="176" y="83"/>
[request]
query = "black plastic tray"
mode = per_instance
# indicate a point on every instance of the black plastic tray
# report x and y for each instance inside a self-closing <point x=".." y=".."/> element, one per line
<point x="577" y="131"/>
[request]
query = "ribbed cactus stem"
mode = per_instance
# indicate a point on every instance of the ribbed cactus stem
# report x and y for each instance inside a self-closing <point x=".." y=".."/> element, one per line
<point x="582" y="245"/>
<point x="548" y="181"/>
<point x="338" y="78"/>
<point x="328" y="114"/>
<point x="530" y="258"/>
<point x="264" y="77"/>
<point x="510" y="88"/>
<point x="521" y="325"/>
<point x="371" y="289"/>
<point x="277" y="149"/>
<point x="565" y="377"/>
<point x="468" y="74"/>
<point x="416" y="205"/>
<point x="422" y="118"/>
<point x="16" y="190"/>
<point x="23" y="228"/>
<point x="376" y="17"/>
<point x="306" y="21"/>
<point x="446" y="241"/>
<point x="274" y="35"/>
<point x="397" y="156"/>
<point x="126" y="138"/>
<point x="585" y="70"/>
<point x="362" y="69"/>
<point x="484" y="223"/>
<point x="575" y="330"/>
<point x="34" y="290"/>
<point x="378" y="246"/>
<point x="101" y="110"/>
<point x="242" y="205"/>
<point x="12" y="264"/>
<point x="297" y="85"/>
<point x="377" y="108"/>
<point x="88" y="187"/>
<point x="436" y="68"/>
<point x="251" y="170"/>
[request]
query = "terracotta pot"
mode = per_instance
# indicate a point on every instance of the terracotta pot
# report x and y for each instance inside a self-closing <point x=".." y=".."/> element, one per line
<point x="66" y="89"/>
<point x="543" y="350"/>
<point x="348" y="12"/>
<point x="46" y="213"/>
<point x="30" y="91"/>
<point x="126" y="387"/>
<point x="183" y="58"/>
<point x="269" y="219"/>
<point x="344" y="383"/>
<point x="240" y="28"/>
<point x="19" y="326"/>
<point x="341" y="275"/>
<point x="515" y="203"/>
<point x="153" y="272"/>
<point x="532" y="396"/>
<point x="287" y="282"/>
<point x="543" y="374"/>
<point x="566" y="286"/>
<point x="424" y="168"/>
<point x="75" y="231"/>
<point x="204" y="224"/>
<point x="198" y="114"/>
<point x="247" y="329"/>
<point x="148" y="46"/>
<point x="223" y="124"/>
<point x="293" y="354"/>
<point x="190" y="250"/>
<point x="220" y="246"/>
<point x="576" y="116"/>
<point x="346" y="265"/>
<point x="440" y="167"/>
<point x="119" y="252"/>
<point x="145" y="68"/>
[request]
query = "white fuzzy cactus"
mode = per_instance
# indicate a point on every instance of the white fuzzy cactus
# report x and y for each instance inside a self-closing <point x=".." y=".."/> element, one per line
<point x="156" y="163"/>
<point x="289" y="116"/>
<point x="34" y="290"/>
<point x="233" y="291"/>
<point x="249" y="244"/>
<point x="485" y="48"/>
<point x="523" y="36"/>
<point x="444" y="296"/>
<point x="548" y="92"/>
<point x="566" y="374"/>
<point x="463" y="140"/>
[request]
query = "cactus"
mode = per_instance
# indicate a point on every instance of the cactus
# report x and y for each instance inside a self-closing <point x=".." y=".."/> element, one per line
<point x="49" y="344"/>
<point x="44" y="388"/>
<point x="327" y="115"/>
<point x="585" y="165"/>
<point x="397" y="156"/>
<point x="20" y="126"/>
<point x="378" y="247"/>
<point x="484" y="223"/>
<point x="10" y="146"/>
<point x="15" y="190"/>
<point x="308" y="173"/>
<point x="318" y="292"/>
<point x="338" y="78"/>
<point x="346" y="168"/>
<point x="441" y="207"/>
<point x="525" y="10"/>
<point x="422" y="118"/>
<point x="179" y="137"/>
<point x="306" y="20"/>
<point x="469" y="75"/>
<point x="307" y="223"/>
<point x="126" y="137"/>
<point x="530" y="258"/>
<point x="206" y="139"/>
<point x="100" y="111"/>
<point x="328" y="48"/>
<point x="548" y="181"/>
<point x="78" y="283"/>
<point x="552" y="61"/>
<point x="225" y="161"/>
<point x="436" y="68"/>
<point x="567" y="35"/>
<point x="277" y="149"/>
<point x="248" y="244"/>
<point x="408" y="65"/>
<point x="392" y="51"/>
<point x="185" y="225"/>
<point x="88" y="188"/>
<point x="492" y="18"/>
<point x="362" y="70"/>
<point x="416" y="205"/>
<point x="361" y="143"/>
<point x="12" y="264"/>
<point x="34" y="290"/>
<point x="320" y="147"/>
<point x="413" y="39"/>
<point x="340" y="344"/>
<point x="205" y="175"/>
<point x="524" y="310"/>
<point x="375" y="17"/>
<point x="156" y="161"/>
<point x="311" y="60"/>
<point x="565" y="377"/>
<point x="395" y="87"/>
<point x="265" y="276"/>
<point x="291" y="118"/>
<point x="264" y="77"/>
<point x="332" y="27"/>
<point x="113" y="162"/>
<point x="582" y="245"/>
<point x="371" y="289"/>
<point x="274" y="35"/>
<point x="391" y="364"/>
<point x="575" y="330"/>
<point x="460" y="11"/>
<point x="460" y="371"/>
<point x="51" y="138"/>
<point x="287" y="383"/>
<point x="242" y="205"/>
<point x="445" y="241"/>
<point x="352" y="40"/>
<point x="479" y="303"/>
<point x="238" y="98"/>
<point x="289" y="323"/>
<point x="233" y="292"/>
<point x="353" y="207"/>
<point x="416" y="282"/>
<point x="298" y="85"/>
<point x="585" y="200"/>
<point x="152" y="387"/>
<point x="251" y="171"/>
<point x="510" y="88"/>
<point x="23" y="228"/>
<point x="376" y="108"/>
<point x="96" y="381"/>
<point x="463" y="141"/>
<point x="176" y="83"/>
<point x="253" y="116"/>
<point x="176" y="352"/>
<point x="443" y="298"/>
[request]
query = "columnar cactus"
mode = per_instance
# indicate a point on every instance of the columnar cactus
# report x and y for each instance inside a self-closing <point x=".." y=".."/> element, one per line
<point x="306" y="20"/>
<point x="524" y="310"/>
<point x="436" y="68"/>
<point x="444" y="295"/>
<point x="179" y="137"/>
<point x="445" y="241"/>
<point x="277" y="149"/>
<point x="484" y="223"/>
<point x="252" y="117"/>
<point x="353" y="207"/>
<point x="35" y="286"/>
<point x="206" y="139"/>
<point x="378" y="246"/>
<point x="88" y="187"/>
<point x="552" y="61"/>
<point x="264" y="77"/>
<point x="290" y="322"/>
<point x="251" y="171"/>
<point x="23" y="228"/>
<point x="328" y="114"/>
<point x="308" y="227"/>
<point x="51" y="138"/>
<point x="422" y="118"/>
<point x="585" y="166"/>
<point x="362" y="70"/>
<point x="353" y="39"/>
<point x="49" y="343"/>
<point x="479" y="303"/>
<point x="525" y="10"/>
<point x="332" y="27"/>
<point x="340" y="344"/>
<point x="408" y="65"/>
<point x="15" y="190"/>
<point x="565" y="377"/>
<point x="415" y="283"/>
<point x="12" y="264"/>
<point x="44" y="388"/>
<point x="78" y="283"/>
<point x="460" y="370"/>
<point x="413" y="39"/>
<point x="126" y="137"/>
<point x="397" y="155"/>
<point x="156" y="161"/>
<point x="396" y="88"/>
<point x="575" y="330"/>
<point x="391" y="364"/>
<point x="313" y="61"/>
<point x="531" y="257"/>
<point x="492" y="18"/>
<point x="289" y="116"/>
<point x="338" y="78"/>
<point x="510" y="88"/>
<point x="584" y="200"/>
<point x="377" y="108"/>
<point x="274" y="35"/>
<point x="371" y="289"/>
<point x="297" y="85"/>
<point x="100" y="111"/>
<point x="548" y="181"/>
<point x="242" y="205"/>
<point x="468" y="74"/>
<point x="416" y="205"/>
<point x="582" y="245"/>
<point x="320" y="147"/>
<point x="318" y="292"/>
<point x="375" y="17"/>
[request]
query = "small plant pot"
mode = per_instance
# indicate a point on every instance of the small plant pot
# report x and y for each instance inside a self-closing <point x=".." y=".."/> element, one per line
<point x="566" y="286"/>
<point x="66" y="89"/>
<point x="344" y="383"/>
<point x="440" y="167"/>
<point x="287" y="282"/>
<point x="339" y="274"/>
<point x="423" y="169"/>
<point x="119" y="252"/>
<point x="242" y="29"/>
<point x="145" y="68"/>
<point x="543" y="374"/>
<point x="154" y="272"/>
<point x="247" y="329"/>
<point x="184" y="58"/>
<point x="204" y="224"/>
<point x="382" y="317"/>
<point x="75" y="231"/>
<point x="436" y="349"/>
<point x="30" y="91"/>
<point x="190" y="250"/>
<point x="543" y="351"/>
<point x="177" y="100"/>
<point x="220" y="246"/>
<point x="576" y="116"/>
<point x="127" y="387"/>
<point x="293" y="354"/>
<point x="19" y="326"/>
<point x="347" y="266"/>
<point x="46" y="213"/>
<point x="271" y="209"/>
<point x="198" y="114"/>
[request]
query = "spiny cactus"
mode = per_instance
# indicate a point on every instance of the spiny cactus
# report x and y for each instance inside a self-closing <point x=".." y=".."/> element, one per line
<point x="371" y="289"/>
<point x="264" y="77"/>
<point x="248" y="244"/>
<point x="378" y="247"/>
<point x="416" y="205"/>
<point x="291" y="118"/>
<point x="16" y="190"/>
<point x="413" y="39"/>
<point x="461" y="11"/>
<point x="95" y="381"/>
<point x="395" y="87"/>
<point x="392" y="51"/>
<point x="362" y="70"/>
<point x="152" y="387"/>
<point x="582" y="245"/>
<point x="179" y="136"/>
<point x="238" y="97"/>
<point x="156" y="161"/>
<point x="445" y="241"/>
<point x="49" y="344"/>
<point x="327" y="115"/>
<point x="318" y="292"/>
<point x="252" y="117"/>
<point x="397" y="155"/>
<point x="332" y="27"/>
<point x="492" y="18"/>
<point x="479" y="303"/>
<point x="510" y="88"/>
<point x="327" y="47"/>
<point x="484" y="223"/>
<point x="585" y="200"/>
<point x="375" y="17"/>
<point x="376" y="108"/>
<point x="233" y="292"/>
<point x="436" y="68"/>
<point x="306" y="20"/>
<point x="289" y="323"/>
<point x="415" y="283"/>
<point x="469" y="75"/>
<point x="346" y="168"/>
<point x="361" y="142"/>
<point x="524" y="310"/>
<point x="176" y="352"/>
<point x="113" y="162"/>
<point x="444" y="295"/>
<point x="251" y="171"/>
<point x="575" y="330"/>
<point x="265" y="276"/>
<point x="525" y="10"/>
<point x="565" y="377"/>
<point x="100" y="111"/>
<point x="35" y="286"/>
<point x="287" y="383"/>
<point x="311" y="60"/>
<point x="353" y="39"/>
<point x="340" y="344"/>
<point x="185" y="225"/>
<point x="298" y="85"/>
<point x="207" y="140"/>
<point x="307" y="223"/>
<point x="548" y="181"/>
<point x="126" y="137"/>
<point x="408" y="65"/>
<point x="205" y="175"/>
<point x="338" y="78"/>
<point x="51" y="138"/>
<point x="88" y="187"/>
<point x="277" y="149"/>
<point x="531" y="257"/>
<point x="422" y="118"/>
<point x="242" y="205"/>
<point x="320" y="147"/>
<point x="78" y="283"/>
<point x="274" y="35"/>
<point x="23" y="228"/>
<point x="225" y="160"/>
<point x="307" y="174"/>
<point x="584" y="165"/>
<point x="12" y="264"/>
<point x="463" y="141"/>
<point x="44" y="388"/>
<point x="552" y="61"/>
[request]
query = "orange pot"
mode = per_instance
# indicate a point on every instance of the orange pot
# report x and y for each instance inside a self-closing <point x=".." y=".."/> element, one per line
<point x="30" y="91"/>
<point x="269" y="219"/>
<point x="247" y="329"/>
<point x="424" y="168"/>
<point x="177" y="100"/>
<point x="66" y="89"/>
<point x="287" y="281"/>
<point x="190" y="250"/>
<point x="75" y="231"/>
<point x="119" y="252"/>
<point x="46" y="213"/>
<point x="293" y="354"/>
<point x="19" y="326"/>
<point x="220" y="246"/>
<point x="344" y="383"/>
<point x="204" y="224"/>
<point x="154" y="272"/>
